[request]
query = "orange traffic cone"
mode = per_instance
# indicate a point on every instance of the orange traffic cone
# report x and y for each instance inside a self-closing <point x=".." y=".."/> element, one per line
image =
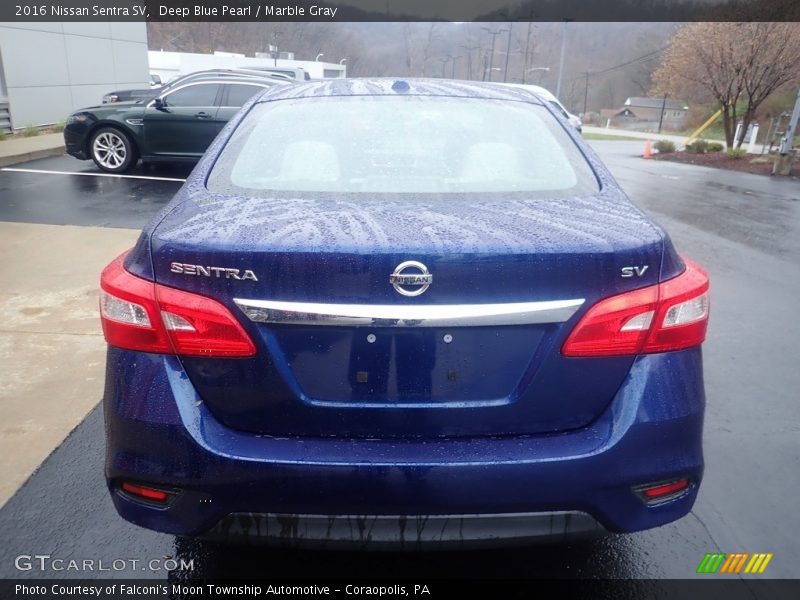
<point x="648" y="149"/>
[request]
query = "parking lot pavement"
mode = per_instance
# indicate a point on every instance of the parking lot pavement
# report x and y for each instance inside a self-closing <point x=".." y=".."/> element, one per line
<point x="743" y="228"/>
<point x="51" y="348"/>
<point x="66" y="191"/>
<point x="678" y="140"/>
<point x="51" y="251"/>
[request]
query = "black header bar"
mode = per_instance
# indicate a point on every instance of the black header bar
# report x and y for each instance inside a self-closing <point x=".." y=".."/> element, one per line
<point x="399" y="10"/>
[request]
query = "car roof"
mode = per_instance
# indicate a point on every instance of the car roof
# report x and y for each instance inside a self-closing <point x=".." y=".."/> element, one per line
<point x="216" y="73"/>
<point x="536" y="89"/>
<point x="393" y="86"/>
<point x="236" y="79"/>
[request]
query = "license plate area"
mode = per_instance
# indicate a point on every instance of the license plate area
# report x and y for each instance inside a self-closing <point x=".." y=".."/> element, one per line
<point x="385" y="367"/>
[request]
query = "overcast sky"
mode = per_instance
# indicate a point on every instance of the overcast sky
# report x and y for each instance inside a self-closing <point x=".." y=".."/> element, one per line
<point x="467" y="9"/>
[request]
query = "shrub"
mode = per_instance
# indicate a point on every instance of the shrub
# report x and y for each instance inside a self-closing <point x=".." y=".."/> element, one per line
<point x="3" y="135"/>
<point x="58" y="127"/>
<point x="715" y="147"/>
<point x="664" y="146"/>
<point x="737" y="153"/>
<point x="30" y="131"/>
<point x="697" y="147"/>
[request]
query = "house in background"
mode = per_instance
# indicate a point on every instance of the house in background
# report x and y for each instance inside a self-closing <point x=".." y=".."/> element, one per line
<point x="644" y="114"/>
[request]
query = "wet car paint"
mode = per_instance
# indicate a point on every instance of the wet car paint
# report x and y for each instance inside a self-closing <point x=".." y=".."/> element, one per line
<point x="751" y="425"/>
<point x="631" y="407"/>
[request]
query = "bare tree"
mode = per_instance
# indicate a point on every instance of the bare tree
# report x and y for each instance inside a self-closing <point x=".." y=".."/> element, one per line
<point x="737" y="64"/>
<point x="427" y="49"/>
<point x="407" y="44"/>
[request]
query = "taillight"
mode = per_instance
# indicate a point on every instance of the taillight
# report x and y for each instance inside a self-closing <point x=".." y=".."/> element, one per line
<point x="142" y="492"/>
<point x="660" y="492"/>
<point x="141" y="315"/>
<point x="667" y="316"/>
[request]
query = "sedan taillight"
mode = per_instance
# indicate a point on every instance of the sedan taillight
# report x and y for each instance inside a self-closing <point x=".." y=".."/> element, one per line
<point x="671" y="315"/>
<point x="141" y="315"/>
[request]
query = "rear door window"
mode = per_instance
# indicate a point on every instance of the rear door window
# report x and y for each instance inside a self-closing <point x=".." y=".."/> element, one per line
<point x="239" y="93"/>
<point x="200" y="94"/>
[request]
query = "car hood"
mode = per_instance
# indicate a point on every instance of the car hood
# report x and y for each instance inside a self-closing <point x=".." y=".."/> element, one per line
<point x="137" y="91"/>
<point x="104" y="110"/>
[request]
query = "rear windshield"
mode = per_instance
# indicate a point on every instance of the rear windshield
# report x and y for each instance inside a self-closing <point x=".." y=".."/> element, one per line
<point x="401" y="145"/>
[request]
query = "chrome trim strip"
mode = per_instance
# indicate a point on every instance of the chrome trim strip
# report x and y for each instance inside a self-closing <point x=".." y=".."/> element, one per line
<point x="396" y="315"/>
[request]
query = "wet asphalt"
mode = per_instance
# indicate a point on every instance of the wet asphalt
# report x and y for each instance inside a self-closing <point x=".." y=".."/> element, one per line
<point x="744" y="229"/>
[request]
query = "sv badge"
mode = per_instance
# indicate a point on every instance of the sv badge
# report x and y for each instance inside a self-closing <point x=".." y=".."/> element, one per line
<point x="634" y="271"/>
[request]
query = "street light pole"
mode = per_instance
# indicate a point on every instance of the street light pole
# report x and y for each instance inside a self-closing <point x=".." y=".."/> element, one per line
<point x="527" y="54"/>
<point x="469" y="50"/>
<point x="494" y="35"/>
<point x="524" y="76"/>
<point x="276" y="36"/>
<point x="455" y="60"/>
<point x="561" y="60"/>
<point x="508" y="52"/>
<point x="318" y="55"/>
<point x="444" y="64"/>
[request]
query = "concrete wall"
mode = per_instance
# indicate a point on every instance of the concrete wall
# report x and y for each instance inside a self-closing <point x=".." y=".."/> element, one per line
<point x="172" y="64"/>
<point x="51" y="69"/>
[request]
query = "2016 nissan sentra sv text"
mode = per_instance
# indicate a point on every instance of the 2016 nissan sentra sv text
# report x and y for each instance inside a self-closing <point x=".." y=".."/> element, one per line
<point x="458" y="331"/>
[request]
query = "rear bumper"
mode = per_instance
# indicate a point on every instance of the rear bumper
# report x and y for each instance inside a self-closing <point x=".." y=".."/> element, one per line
<point x="159" y="433"/>
<point x="401" y="531"/>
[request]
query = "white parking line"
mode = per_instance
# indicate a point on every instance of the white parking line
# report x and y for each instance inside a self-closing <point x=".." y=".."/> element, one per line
<point x="14" y="170"/>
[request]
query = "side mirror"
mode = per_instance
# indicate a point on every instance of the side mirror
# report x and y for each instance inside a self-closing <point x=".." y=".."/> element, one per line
<point x="159" y="103"/>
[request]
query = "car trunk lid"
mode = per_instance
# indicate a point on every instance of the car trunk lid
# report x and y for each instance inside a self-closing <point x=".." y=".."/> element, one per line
<point x="342" y="353"/>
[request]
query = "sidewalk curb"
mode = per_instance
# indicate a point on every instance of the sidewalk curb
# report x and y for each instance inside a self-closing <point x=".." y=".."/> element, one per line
<point x="14" y="159"/>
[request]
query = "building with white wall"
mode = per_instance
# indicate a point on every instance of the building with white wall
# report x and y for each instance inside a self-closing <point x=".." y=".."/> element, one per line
<point x="171" y="64"/>
<point x="48" y="70"/>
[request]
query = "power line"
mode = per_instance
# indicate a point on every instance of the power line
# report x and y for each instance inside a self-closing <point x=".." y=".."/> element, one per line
<point x="640" y="59"/>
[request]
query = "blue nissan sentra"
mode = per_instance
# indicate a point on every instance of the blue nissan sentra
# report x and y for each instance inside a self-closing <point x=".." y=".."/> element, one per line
<point x="402" y="313"/>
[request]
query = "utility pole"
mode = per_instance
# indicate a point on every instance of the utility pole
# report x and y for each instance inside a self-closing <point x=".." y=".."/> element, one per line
<point x="469" y="50"/>
<point x="444" y="64"/>
<point x="586" y="92"/>
<point x="494" y="35"/>
<point x="783" y="163"/>
<point x="455" y="60"/>
<point x="527" y="54"/>
<point x="561" y="60"/>
<point x="508" y="51"/>
<point x="661" y="116"/>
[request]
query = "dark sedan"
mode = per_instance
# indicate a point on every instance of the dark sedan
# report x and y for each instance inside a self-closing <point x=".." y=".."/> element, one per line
<point x="176" y="126"/>
<point x="132" y="95"/>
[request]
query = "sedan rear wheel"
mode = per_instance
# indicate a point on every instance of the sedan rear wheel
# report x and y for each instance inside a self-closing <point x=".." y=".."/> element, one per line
<point x="112" y="150"/>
